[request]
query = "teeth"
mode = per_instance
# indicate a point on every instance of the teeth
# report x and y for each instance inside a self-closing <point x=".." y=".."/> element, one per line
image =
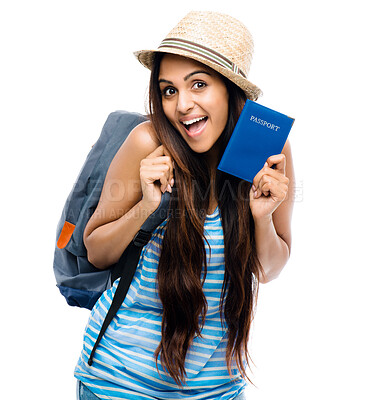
<point x="192" y="121"/>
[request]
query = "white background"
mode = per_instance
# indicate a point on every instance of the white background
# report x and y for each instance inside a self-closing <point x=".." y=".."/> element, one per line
<point x="67" y="64"/>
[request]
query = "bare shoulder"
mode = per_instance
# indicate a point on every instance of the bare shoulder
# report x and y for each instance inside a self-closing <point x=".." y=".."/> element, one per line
<point x="123" y="174"/>
<point x="145" y="132"/>
<point x="143" y="137"/>
<point x="141" y="141"/>
<point x="122" y="188"/>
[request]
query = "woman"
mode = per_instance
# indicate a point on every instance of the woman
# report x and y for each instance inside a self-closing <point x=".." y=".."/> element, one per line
<point x="183" y="329"/>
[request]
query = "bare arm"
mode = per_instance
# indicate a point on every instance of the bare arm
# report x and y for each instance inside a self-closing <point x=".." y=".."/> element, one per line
<point x="122" y="208"/>
<point x="272" y="205"/>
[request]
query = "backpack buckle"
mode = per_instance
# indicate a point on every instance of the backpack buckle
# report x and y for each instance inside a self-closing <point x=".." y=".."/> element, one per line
<point x="142" y="238"/>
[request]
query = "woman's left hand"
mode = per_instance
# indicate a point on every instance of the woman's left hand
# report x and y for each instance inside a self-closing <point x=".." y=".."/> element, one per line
<point x="270" y="187"/>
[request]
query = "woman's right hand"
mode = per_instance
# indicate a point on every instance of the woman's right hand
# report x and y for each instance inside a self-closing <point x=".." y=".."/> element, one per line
<point x="156" y="177"/>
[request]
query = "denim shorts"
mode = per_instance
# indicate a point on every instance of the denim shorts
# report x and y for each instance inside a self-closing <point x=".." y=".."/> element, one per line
<point x="83" y="393"/>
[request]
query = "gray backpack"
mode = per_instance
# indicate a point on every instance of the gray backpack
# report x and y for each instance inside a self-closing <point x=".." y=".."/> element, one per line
<point x="77" y="279"/>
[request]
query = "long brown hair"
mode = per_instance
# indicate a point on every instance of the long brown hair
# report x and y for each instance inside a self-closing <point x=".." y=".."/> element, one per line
<point x="183" y="255"/>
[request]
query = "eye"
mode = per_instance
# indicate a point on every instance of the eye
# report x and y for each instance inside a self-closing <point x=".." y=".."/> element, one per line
<point x="168" y="91"/>
<point x="199" y="85"/>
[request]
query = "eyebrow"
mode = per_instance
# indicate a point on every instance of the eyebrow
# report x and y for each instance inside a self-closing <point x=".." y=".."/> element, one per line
<point x="196" y="72"/>
<point x="186" y="77"/>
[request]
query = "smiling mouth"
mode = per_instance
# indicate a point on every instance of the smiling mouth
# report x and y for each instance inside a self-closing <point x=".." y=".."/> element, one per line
<point x="194" y="126"/>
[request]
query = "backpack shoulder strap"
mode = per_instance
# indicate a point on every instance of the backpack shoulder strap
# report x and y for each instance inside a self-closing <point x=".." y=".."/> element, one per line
<point x="128" y="262"/>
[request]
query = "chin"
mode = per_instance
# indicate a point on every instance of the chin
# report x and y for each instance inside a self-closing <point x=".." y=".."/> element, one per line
<point x="199" y="149"/>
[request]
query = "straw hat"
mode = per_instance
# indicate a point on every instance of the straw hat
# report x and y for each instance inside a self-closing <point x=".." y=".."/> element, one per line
<point x="214" y="39"/>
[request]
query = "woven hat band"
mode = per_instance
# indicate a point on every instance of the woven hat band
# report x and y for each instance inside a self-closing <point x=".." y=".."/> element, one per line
<point x="202" y="51"/>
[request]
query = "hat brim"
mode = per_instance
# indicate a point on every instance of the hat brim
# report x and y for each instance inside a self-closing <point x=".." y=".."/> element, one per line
<point x="146" y="58"/>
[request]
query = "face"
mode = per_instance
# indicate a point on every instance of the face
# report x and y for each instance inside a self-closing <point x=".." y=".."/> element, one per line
<point x="195" y="101"/>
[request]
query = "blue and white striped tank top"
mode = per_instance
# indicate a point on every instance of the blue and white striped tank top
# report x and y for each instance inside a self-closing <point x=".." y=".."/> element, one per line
<point x="124" y="366"/>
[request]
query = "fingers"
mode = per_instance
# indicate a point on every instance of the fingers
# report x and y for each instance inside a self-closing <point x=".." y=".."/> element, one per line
<point x="170" y="162"/>
<point x="152" y="172"/>
<point x="271" y="187"/>
<point x="279" y="160"/>
<point x="158" y="166"/>
<point x="158" y="152"/>
<point x="162" y="156"/>
<point x="272" y="182"/>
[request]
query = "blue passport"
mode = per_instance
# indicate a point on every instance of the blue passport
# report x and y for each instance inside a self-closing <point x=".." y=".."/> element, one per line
<point x="260" y="132"/>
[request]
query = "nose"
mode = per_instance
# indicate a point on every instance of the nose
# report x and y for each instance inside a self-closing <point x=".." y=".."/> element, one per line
<point x="185" y="102"/>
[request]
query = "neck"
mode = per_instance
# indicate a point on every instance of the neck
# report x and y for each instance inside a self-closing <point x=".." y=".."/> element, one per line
<point x="212" y="159"/>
